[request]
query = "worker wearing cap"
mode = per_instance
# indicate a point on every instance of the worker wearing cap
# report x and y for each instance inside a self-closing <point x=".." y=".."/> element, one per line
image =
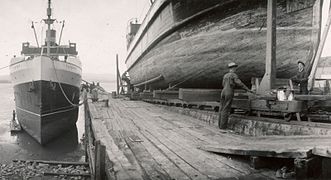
<point x="301" y="78"/>
<point x="230" y="81"/>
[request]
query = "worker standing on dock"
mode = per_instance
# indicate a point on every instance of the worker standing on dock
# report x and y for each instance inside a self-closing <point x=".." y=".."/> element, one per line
<point x="230" y="80"/>
<point x="301" y="78"/>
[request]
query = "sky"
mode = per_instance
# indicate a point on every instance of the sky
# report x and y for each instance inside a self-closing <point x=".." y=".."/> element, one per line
<point x="97" y="26"/>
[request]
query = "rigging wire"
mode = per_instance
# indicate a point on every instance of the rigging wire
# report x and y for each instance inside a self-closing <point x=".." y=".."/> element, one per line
<point x="35" y="34"/>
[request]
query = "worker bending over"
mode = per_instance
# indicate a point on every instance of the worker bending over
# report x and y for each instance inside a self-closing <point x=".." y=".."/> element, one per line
<point x="301" y="79"/>
<point x="230" y="81"/>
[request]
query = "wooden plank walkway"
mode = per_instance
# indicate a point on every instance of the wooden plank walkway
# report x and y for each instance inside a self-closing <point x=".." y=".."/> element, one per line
<point x="144" y="141"/>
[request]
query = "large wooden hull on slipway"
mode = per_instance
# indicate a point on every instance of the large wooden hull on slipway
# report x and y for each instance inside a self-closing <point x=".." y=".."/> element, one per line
<point x="189" y="43"/>
<point x="42" y="109"/>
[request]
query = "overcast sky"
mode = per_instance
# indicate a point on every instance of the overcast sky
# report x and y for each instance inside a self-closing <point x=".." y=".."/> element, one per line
<point x="97" y="26"/>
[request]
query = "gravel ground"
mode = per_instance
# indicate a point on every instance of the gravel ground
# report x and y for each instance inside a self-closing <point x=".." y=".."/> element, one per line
<point x="22" y="170"/>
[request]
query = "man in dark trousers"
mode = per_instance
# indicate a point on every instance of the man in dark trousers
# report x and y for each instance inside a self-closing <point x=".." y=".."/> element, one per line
<point x="230" y="81"/>
<point x="301" y="78"/>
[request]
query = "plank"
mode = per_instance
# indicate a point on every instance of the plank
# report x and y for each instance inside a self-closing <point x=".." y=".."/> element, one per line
<point x="146" y="95"/>
<point x="251" y="151"/>
<point x="165" y="94"/>
<point x="121" y="166"/>
<point x="239" y="167"/>
<point x="161" y="140"/>
<point x="145" y="160"/>
<point x="184" y="149"/>
<point x="169" y="151"/>
<point x="172" y="167"/>
<point x="199" y="94"/>
<point x="272" y="146"/>
<point x="322" y="151"/>
<point x="312" y="97"/>
<point x="54" y="162"/>
<point x="198" y="133"/>
<point x="100" y="151"/>
<point x="66" y="174"/>
<point x="261" y="126"/>
<point x="173" y="157"/>
<point x="161" y="156"/>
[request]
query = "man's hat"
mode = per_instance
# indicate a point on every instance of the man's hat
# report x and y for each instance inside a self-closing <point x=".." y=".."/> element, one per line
<point x="232" y="64"/>
<point x="301" y="63"/>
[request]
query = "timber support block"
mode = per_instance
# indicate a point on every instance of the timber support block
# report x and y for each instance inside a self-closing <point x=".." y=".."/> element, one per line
<point x="326" y="171"/>
<point x="257" y="162"/>
<point x="308" y="167"/>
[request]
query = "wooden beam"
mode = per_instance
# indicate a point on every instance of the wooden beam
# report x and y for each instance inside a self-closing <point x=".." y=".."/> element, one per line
<point x="54" y="162"/>
<point x="205" y="95"/>
<point x="303" y="97"/>
<point x="251" y="150"/>
<point x="319" y="52"/>
<point x="117" y="76"/>
<point x="322" y="151"/>
<point x="270" y="64"/>
<point x="146" y="95"/>
<point x="65" y="174"/>
<point x="165" y="94"/>
<point x="199" y="94"/>
<point x="88" y="137"/>
<point x="100" y="157"/>
<point x="308" y="168"/>
<point x="326" y="170"/>
<point x="257" y="162"/>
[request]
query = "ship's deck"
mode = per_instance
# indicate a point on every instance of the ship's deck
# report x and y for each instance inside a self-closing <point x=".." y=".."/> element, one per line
<point x="144" y="141"/>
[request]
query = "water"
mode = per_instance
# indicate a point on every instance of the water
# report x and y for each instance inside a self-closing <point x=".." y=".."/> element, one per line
<point x="22" y="146"/>
<point x="108" y="86"/>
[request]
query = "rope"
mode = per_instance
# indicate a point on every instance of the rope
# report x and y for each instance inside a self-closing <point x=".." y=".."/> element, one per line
<point x="4" y="67"/>
<point x="64" y="94"/>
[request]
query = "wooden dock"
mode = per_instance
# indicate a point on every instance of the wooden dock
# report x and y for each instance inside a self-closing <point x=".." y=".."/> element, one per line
<point x="145" y="141"/>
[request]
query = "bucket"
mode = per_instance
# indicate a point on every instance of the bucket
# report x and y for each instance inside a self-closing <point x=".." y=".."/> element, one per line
<point x="281" y="96"/>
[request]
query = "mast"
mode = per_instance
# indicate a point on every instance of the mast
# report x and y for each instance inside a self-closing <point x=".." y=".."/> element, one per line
<point x="50" y="34"/>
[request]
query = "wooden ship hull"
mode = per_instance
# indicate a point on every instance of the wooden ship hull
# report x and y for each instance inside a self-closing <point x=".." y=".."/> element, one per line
<point x="189" y="43"/>
<point x="42" y="109"/>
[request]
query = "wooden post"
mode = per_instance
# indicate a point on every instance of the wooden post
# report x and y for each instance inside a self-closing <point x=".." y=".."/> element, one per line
<point x="117" y="76"/>
<point x="326" y="171"/>
<point x="257" y="162"/>
<point x="311" y="77"/>
<point x="100" y="157"/>
<point x="86" y="129"/>
<point x="88" y="139"/>
<point x="270" y="64"/>
<point x="308" y="168"/>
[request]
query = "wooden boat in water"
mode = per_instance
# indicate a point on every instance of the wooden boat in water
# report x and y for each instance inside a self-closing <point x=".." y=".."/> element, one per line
<point x="46" y="83"/>
<point x="189" y="43"/>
